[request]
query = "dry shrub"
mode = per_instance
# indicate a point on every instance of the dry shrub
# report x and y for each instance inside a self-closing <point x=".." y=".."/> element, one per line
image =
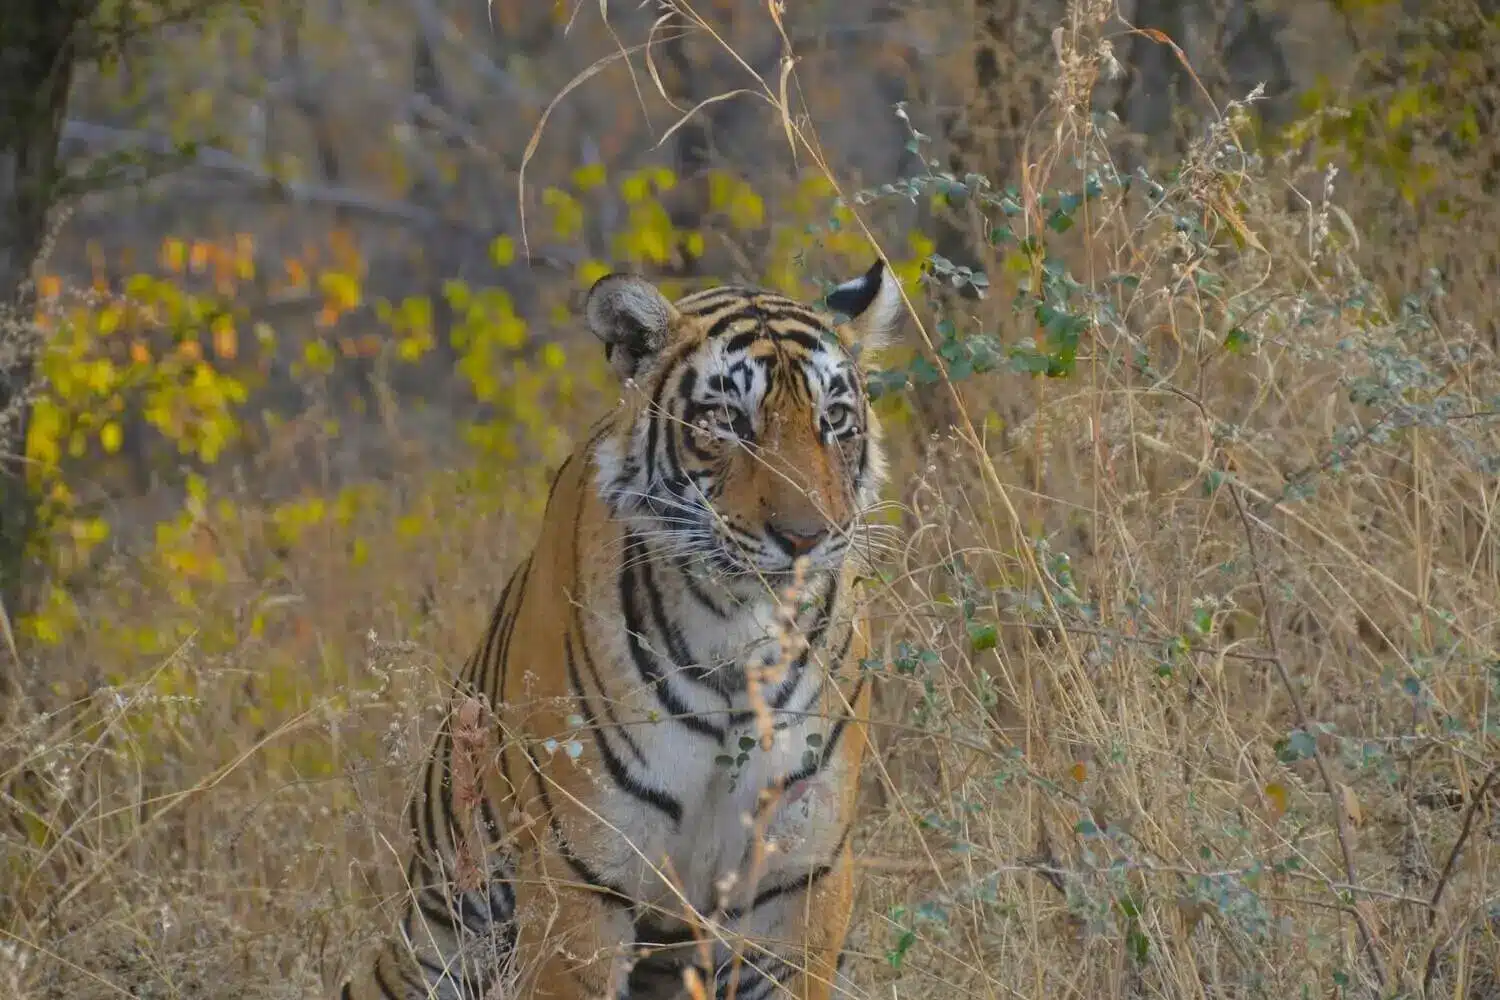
<point x="1187" y="665"/>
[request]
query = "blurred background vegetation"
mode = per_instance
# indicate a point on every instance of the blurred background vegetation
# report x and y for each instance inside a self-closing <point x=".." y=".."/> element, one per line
<point x="1190" y="662"/>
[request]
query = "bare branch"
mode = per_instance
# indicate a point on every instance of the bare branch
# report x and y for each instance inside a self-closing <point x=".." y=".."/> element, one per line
<point x="78" y="135"/>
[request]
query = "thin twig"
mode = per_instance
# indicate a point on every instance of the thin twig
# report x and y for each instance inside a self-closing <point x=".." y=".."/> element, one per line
<point x="1341" y="821"/>
<point x="1458" y="845"/>
<point x="1438" y="950"/>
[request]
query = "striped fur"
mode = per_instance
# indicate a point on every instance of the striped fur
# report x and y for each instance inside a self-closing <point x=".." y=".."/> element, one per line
<point x="625" y="786"/>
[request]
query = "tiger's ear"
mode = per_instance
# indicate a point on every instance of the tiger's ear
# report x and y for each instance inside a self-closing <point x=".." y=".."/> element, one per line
<point x="633" y="319"/>
<point x="874" y="305"/>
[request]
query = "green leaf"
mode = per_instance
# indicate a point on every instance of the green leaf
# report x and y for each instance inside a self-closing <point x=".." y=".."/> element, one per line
<point x="883" y="383"/>
<point x="897" y="953"/>
<point x="1298" y="745"/>
<point x="982" y="636"/>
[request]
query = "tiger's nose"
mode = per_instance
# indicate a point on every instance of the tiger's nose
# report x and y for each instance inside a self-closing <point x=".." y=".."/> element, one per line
<point x="796" y="540"/>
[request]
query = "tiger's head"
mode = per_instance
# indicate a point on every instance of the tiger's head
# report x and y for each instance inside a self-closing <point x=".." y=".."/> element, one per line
<point x="746" y="439"/>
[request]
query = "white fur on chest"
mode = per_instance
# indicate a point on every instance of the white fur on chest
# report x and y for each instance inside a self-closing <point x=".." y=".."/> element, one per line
<point x="714" y="844"/>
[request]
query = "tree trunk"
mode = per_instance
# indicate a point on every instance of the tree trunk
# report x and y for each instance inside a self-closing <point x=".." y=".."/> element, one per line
<point x="38" y="45"/>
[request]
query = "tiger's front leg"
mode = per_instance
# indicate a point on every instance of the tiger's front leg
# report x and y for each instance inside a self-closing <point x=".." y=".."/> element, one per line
<point x="790" y="945"/>
<point x="572" y="937"/>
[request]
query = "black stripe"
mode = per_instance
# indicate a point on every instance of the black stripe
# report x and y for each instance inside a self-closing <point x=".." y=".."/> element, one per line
<point x="798" y="667"/>
<point x="739" y="341"/>
<point x="751" y="978"/>
<point x="675" y="473"/>
<point x="557" y="477"/>
<point x="428" y="829"/>
<point x="496" y="690"/>
<point x="497" y="637"/>
<point x="432" y="968"/>
<point x="451" y="819"/>
<point x="644" y="659"/>
<point x="597" y="678"/>
<point x="653" y="420"/>
<point x="440" y="915"/>
<point x="806" y="704"/>
<point x="575" y="615"/>
<point x="832" y="664"/>
<point x="385" y="986"/>
<point x="797" y="312"/>
<point x="798" y="884"/>
<point x="696" y="591"/>
<point x="664" y="803"/>
<point x="830" y="744"/>
<point x="747" y="313"/>
<point x="806" y="341"/>
<point x="677" y="648"/>
<point x="711" y="299"/>
<point x="687" y="384"/>
<point x="609" y="891"/>
<point x="503" y="657"/>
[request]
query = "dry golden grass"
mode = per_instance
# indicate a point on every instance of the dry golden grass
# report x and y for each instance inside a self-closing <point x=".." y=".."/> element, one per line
<point x="1189" y="660"/>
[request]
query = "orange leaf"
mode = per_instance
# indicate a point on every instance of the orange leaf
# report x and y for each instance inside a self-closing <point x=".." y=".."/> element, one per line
<point x="296" y="273"/>
<point x="226" y="339"/>
<point x="1080" y="771"/>
<point x="173" y="255"/>
<point x="1350" y="804"/>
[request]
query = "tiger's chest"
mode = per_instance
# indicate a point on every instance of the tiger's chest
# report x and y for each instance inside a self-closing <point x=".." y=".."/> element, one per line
<point x="690" y="803"/>
<point x="750" y="816"/>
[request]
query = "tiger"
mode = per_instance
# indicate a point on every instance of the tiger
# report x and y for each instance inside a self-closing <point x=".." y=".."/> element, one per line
<point x="666" y="809"/>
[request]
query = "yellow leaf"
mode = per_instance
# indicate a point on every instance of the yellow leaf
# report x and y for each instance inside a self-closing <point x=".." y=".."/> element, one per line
<point x="635" y="189"/>
<point x="110" y="437"/>
<point x="173" y="255"/>
<point x="502" y="251"/>
<point x="1080" y="771"/>
<point x="1276" y="794"/>
<point x="588" y="177"/>
<point x="591" y="271"/>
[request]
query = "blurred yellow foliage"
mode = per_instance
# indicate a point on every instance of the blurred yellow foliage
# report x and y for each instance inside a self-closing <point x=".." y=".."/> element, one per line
<point x="165" y="362"/>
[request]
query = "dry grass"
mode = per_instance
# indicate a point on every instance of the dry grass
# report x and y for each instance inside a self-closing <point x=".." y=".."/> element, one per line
<point x="1188" y="674"/>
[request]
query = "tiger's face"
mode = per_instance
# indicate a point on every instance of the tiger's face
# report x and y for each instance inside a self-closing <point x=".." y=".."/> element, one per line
<point x="747" y="440"/>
